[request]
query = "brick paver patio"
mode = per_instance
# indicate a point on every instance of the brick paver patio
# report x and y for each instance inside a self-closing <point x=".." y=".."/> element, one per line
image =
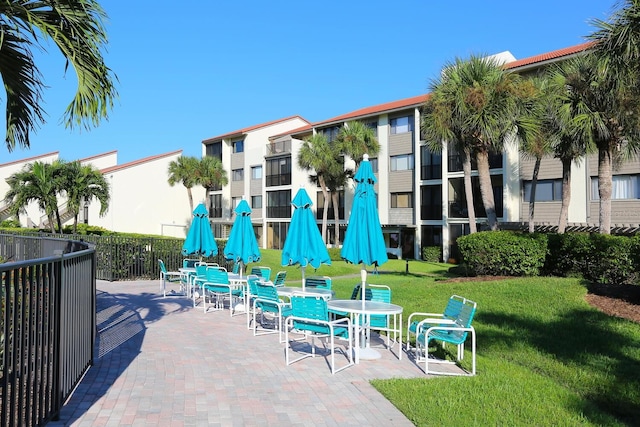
<point x="159" y="361"/>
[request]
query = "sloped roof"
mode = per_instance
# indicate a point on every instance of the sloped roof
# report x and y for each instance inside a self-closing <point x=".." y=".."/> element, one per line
<point x="30" y="159"/>
<point x="549" y="56"/>
<point x="243" y="131"/>
<point x="97" y="156"/>
<point x="139" y="162"/>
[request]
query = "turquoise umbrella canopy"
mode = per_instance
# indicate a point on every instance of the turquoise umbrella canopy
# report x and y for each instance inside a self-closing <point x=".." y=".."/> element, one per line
<point x="242" y="245"/>
<point x="200" y="240"/>
<point x="363" y="240"/>
<point x="303" y="245"/>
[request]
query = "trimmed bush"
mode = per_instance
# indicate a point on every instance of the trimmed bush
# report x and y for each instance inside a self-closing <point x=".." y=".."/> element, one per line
<point x="431" y="253"/>
<point x="503" y="253"/>
<point x="334" y="254"/>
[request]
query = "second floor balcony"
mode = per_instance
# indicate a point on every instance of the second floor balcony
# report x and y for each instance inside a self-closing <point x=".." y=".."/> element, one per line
<point x="279" y="147"/>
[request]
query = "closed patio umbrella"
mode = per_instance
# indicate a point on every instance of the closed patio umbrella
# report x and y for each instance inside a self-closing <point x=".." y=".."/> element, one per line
<point x="242" y="245"/>
<point x="304" y="245"/>
<point x="363" y="241"/>
<point x="200" y="240"/>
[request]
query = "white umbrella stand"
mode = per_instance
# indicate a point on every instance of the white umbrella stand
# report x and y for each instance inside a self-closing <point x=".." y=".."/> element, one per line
<point x="365" y="352"/>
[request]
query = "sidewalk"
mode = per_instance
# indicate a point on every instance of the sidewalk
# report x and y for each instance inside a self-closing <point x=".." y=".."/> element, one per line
<point x="159" y="361"/>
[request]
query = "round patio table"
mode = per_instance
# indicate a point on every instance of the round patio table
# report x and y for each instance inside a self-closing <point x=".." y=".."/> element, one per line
<point x="366" y="308"/>
<point x="288" y="291"/>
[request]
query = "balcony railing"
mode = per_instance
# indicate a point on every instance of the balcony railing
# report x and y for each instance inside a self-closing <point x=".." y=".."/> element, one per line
<point x="455" y="162"/>
<point x="280" y="147"/>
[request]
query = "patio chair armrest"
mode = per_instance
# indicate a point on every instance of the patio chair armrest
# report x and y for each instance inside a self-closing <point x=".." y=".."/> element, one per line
<point x="340" y="321"/>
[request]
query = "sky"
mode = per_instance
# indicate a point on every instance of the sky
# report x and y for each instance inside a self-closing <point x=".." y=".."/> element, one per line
<point x="190" y="70"/>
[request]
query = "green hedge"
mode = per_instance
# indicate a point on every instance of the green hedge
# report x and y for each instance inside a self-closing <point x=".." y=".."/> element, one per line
<point x="503" y="253"/>
<point x="431" y="253"/>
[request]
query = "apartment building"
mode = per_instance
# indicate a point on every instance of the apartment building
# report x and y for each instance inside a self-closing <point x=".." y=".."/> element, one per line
<point x="421" y="196"/>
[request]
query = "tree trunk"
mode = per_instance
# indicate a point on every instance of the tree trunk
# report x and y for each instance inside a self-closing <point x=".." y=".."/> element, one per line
<point x="486" y="189"/>
<point x="52" y="223"/>
<point x="605" y="185"/>
<point x="190" y="194"/>
<point x="335" y="196"/>
<point x="468" y="192"/>
<point x="532" y="196"/>
<point x="75" y="224"/>
<point x="58" y="220"/>
<point x="566" y="195"/>
<point x="325" y="208"/>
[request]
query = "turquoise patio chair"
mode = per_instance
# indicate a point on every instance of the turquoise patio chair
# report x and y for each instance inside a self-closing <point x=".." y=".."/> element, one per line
<point x="267" y="301"/>
<point x="455" y="333"/>
<point x="281" y="276"/>
<point x="168" y="276"/>
<point x="216" y="286"/>
<point x="310" y="317"/>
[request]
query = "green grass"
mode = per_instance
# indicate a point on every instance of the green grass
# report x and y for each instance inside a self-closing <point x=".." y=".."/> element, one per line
<point x="545" y="357"/>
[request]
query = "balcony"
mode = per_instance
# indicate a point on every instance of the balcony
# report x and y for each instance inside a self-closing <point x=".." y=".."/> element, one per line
<point x="280" y="147"/>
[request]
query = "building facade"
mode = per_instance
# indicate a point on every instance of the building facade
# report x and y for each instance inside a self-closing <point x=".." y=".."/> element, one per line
<point x="421" y="198"/>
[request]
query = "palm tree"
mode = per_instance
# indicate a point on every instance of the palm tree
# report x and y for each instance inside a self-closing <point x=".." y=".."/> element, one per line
<point x="37" y="182"/>
<point x="76" y="28"/>
<point x="355" y="139"/>
<point x="605" y="112"/>
<point x="611" y="93"/>
<point x="316" y="154"/>
<point x="83" y="183"/>
<point x="184" y="170"/>
<point x="210" y="173"/>
<point x="441" y="125"/>
<point x="539" y="145"/>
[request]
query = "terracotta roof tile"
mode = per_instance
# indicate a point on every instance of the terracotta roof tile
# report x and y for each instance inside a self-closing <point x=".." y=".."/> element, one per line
<point x="549" y="55"/>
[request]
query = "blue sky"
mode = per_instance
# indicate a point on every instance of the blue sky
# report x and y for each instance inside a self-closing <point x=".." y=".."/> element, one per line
<point x="191" y="70"/>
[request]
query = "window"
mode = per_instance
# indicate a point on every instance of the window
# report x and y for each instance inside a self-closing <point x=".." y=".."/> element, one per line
<point x="278" y="171"/>
<point x="279" y="204"/>
<point x="547" y="190"/>
<point x="215" y="150"/>
<point x="401" y="200"/>
<point x="402" y="163"/>
<point x="238" y="146"/>
<point x="256" y="172"/>
<point x="374" y="164"/>
<point x="256" y="202"/>
<point x="373" y="126"/>
<point x="234" y="202"/>
<point x="215" y="205"/>
<point x="330" y="213"/>
<point x="237" y="174"/>
<point x="401" y="124"/>
<point x="430" y="164"/>
<point x="330" y="133"/>
<point x="622" y="187"/>
<point x="431" y="202"/>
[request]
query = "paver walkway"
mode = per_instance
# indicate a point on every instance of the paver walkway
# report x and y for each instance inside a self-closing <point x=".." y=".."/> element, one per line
<point x="162" y="362"/>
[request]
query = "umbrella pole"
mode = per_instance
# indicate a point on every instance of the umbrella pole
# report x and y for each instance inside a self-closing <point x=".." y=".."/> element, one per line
<point x="365" y="350"/>
<point x="304" y="280"/>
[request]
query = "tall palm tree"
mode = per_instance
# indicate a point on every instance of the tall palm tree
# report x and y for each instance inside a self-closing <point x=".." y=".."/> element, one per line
<point x="76" y="28"/>
<point x="440" y="125"/>
<point x="83" y="183"/>
<point x="539" y="145"/>
<point x="611" y="93"/>
<point x="355" y="139"/>
<point x="316" y="153"/>
<point x="184" y="170"/>
<point x="37" y="182"/>
<point x="210" y="173"/>
<point x="606" y="115"/>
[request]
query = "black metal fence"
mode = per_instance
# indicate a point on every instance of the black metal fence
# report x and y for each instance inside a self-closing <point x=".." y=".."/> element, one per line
<point x="120" y="257"/>
<point x="47" y="325"/>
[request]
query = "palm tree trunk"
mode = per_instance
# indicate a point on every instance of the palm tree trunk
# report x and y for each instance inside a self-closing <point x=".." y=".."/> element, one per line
<point x="605" y="185"/>
<point x="468" y="191"/>
<point x="75" y="224"/>
<point x="532" y="196"/>
<point x="566" y="195"/>
<point x="190" y="194"/>
<point x="335" y="196"/>
<point x="325" y="208"/>
<point x="52" y="223"/>
<point x="486" y="189"/>
<point x="58" y="221"/>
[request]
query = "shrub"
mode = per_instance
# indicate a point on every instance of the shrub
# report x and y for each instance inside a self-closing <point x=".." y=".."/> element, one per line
<point x="431" y="253"/>
<point x="334" y="254"/>
<point x="10" y="223"/>
<point x="503" y="253"/>
<point x="568" y="255"/>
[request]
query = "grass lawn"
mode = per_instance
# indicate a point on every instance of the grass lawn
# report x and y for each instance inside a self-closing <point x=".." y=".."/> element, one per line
<point x="544" y="356"/>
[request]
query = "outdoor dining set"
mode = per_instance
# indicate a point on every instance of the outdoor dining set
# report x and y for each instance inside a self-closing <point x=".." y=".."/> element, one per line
<point x="311" y="312"/>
